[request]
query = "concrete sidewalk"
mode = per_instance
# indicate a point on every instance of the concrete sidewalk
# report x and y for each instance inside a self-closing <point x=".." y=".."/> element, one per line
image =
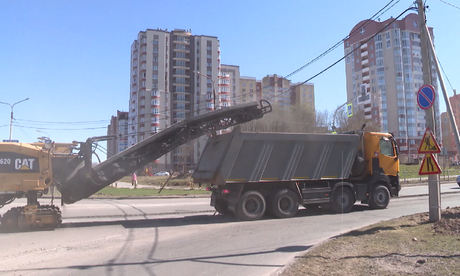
<point x="421" y="190"/>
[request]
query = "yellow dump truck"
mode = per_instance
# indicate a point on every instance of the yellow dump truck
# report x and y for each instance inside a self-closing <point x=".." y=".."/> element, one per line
<point x="252" y="174"/>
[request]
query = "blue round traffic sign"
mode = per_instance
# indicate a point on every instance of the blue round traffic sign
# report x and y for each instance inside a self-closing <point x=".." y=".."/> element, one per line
<point x="425" y="96"/>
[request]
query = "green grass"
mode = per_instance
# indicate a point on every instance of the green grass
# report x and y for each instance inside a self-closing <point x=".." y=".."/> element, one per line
<point x="393" y="247"/>
<point x="411" y="172"/>
<point x="159" y="180"/>
<point x="121" y="192"/>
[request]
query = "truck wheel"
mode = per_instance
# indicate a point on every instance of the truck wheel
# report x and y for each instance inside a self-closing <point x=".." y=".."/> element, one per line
<point x="284" y="204"/>
<point x="251" y="206"/>
<point x="380" y="197"/>
<point x="342" y="200"/>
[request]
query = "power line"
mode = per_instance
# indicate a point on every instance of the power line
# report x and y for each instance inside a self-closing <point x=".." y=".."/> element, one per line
<point x="351" y="52"/>
<point x="382" y="11"/>
<point x="45" y="128"/>
<point x="452" y="5"/>
<point x="47" y="122"/>
<point x="341" y="41"/>
<point x="445" y="75"/>
<point x="17" y="124"/>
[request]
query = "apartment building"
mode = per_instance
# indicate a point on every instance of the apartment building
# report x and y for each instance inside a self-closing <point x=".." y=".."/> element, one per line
<point x="247" y="91"/>
<point x="384" y="72"/>
<point x="448" y="139"/>
<point x="119" y="127"/>
<point x="173" y="77"/>
<point x="277" y="90"/>
<point x="233" y="73"/>
<point x="303" y="94"/>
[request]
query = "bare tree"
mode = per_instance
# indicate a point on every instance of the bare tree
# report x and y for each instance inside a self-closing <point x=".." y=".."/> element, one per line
<point x="344" y="123"/>
<point x="297" y="118"/>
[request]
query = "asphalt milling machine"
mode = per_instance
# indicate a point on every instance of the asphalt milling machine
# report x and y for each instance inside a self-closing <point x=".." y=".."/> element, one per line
<point x="29" y="170"/>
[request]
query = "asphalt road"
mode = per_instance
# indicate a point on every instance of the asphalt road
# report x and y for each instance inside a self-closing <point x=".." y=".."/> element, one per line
<point x="182" y="237"/>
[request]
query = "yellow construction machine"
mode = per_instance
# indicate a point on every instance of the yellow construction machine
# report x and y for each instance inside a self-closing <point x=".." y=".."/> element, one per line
<point x="26" y="171"/>
<point x="29" y="170"/>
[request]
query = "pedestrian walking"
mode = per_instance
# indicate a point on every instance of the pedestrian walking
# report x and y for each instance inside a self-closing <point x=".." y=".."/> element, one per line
<point x="134" y="180"/>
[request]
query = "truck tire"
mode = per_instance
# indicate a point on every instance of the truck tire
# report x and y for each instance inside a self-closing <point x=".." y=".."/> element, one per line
<point x="251" y="206"/>
<point x="380" y="197"/>
<point x="284" y="204"/>
<point x="342" y="200"/>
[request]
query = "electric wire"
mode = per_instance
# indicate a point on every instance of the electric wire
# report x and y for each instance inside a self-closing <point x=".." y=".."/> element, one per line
<point x="20" y="127"/>
<point x="48" y="122"/>
<point x="377" y="14"/>
<point x="345" y="56"/>
<point x="204" y="109"/>
<point x="452" y="5"/>
<point x="445" y="75"/>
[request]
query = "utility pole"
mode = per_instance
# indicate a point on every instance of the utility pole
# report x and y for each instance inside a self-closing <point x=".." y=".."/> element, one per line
<point x="444" y="92"/>
<point x="434" y="200"/>
<point x="11" y="118"/>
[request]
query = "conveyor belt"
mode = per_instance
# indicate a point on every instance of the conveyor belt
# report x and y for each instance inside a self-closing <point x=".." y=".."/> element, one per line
<point x="77" y="178"/>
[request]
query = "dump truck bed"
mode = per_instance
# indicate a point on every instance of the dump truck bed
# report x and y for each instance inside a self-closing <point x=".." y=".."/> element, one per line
<point x="239" y="157"/>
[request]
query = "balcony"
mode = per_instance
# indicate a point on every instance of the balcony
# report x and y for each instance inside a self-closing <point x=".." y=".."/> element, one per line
<point x="364" y="61"/>
<point x="364" y="54"/>
<point x="181" y="99"/>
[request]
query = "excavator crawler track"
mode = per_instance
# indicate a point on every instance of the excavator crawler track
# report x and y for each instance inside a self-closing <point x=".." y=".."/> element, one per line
<point x="21" y="218"/>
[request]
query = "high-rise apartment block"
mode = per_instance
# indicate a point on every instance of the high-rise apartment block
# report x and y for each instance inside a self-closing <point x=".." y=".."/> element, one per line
<point x="118" y="127"/>
<point x="448" y="139"/>
<point x="277" y="90"/>
<point x="384" y="73"/>
<point x="174" y="76"/>
<point x="247" y="91"/>
<point x="233" y="73"/>
<point x="303" y="95"/>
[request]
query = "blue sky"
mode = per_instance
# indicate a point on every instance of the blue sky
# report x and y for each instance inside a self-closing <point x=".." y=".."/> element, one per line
<point x="72" y="58"/>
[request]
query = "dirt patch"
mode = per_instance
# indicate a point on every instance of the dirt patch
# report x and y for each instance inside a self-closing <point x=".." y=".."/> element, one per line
<point x="409" y="245"/>
<point x="450" y="222"/>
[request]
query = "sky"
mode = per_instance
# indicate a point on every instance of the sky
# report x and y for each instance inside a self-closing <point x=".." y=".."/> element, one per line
<point x="72" y="58"/>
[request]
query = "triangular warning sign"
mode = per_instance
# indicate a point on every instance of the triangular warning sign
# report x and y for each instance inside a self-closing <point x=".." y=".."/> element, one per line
<point x="429" y="165"/>
<point x="429" y="144"/>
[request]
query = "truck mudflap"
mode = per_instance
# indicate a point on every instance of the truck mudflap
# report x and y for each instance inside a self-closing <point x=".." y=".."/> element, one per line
<point x="395" y="187"/>
<point x="83" y="180"/>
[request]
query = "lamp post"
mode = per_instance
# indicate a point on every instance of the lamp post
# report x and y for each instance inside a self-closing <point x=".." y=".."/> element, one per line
<point x="213" y="87"/>
<point x="11" y="121"/>
<point x="44" y="132"/>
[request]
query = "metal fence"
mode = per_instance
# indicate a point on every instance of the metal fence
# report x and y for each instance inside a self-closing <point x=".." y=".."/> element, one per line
<point x="448" y="175"/>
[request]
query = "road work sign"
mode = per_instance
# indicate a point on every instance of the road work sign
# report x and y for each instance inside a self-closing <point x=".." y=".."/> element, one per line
<point x="429" y="144"/>
<point x="429" y="165"/>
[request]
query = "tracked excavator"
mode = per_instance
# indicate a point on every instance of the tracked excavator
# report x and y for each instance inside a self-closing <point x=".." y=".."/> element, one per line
<point x="29" y="170"/>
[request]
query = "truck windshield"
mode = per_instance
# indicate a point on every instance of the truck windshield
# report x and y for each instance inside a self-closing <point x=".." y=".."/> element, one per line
<point x="386" y="147"/>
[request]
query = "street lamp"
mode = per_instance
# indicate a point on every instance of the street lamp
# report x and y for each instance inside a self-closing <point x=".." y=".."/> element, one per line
<point x="213" y="86"/>
<point x="44" y="132"/>
<point x="12" y="105"/>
